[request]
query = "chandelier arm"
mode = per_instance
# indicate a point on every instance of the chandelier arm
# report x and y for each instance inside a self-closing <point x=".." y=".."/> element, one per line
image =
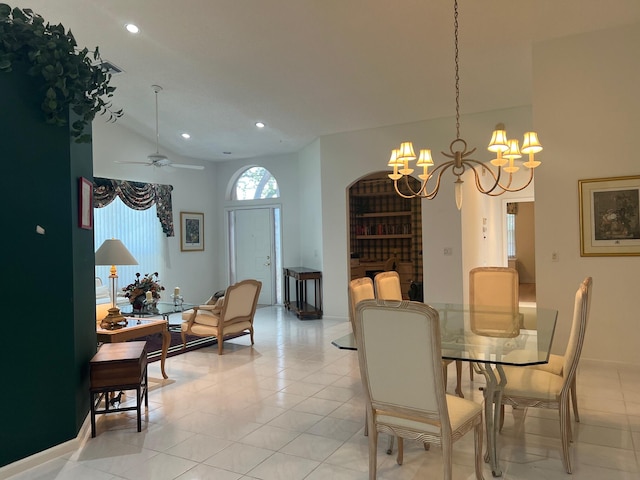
<point x="508" y="189"/>
<point x="413" y="193"/>
<point x="437" y="172"/>
<point x="496" y="178"/>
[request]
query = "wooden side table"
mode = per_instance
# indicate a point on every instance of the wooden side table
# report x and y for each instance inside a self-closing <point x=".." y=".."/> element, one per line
<point x="300" y="306"/>
<point x="136" y="328"/>
<point x="118" y="366"/>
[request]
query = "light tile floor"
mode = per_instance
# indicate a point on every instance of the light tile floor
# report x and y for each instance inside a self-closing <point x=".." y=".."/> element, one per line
<point x="292" y="408"/>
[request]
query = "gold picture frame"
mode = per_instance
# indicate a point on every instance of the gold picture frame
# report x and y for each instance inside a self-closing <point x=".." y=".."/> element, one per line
<point x="191" y="232"/>
<point x="609" y="216"/>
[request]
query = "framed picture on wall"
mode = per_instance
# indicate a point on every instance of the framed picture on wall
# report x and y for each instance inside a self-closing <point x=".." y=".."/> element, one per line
<point x="609" y="216"/>
<point x="85" y="204"/>
<point x="191" y="231"/>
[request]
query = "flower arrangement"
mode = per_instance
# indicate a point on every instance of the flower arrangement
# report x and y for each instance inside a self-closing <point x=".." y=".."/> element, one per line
<point x="139" y="288"/>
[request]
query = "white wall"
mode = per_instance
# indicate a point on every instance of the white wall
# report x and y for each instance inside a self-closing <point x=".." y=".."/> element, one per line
<point x="192" y="271"/>
<point x="310" y="200"/>
<point x="586" y="106"/>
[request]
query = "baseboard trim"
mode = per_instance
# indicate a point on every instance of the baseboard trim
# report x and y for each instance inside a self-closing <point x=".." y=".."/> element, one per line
<point x="52" y="453"/>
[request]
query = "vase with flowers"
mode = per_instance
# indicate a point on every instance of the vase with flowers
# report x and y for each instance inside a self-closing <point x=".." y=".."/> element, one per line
<point x="144" y="292"/>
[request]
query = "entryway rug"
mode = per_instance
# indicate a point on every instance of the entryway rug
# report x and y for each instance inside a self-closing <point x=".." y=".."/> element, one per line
<point x="154" y="344"/>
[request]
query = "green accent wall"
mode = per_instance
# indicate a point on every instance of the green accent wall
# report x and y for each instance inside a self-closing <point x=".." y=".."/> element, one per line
<point x="48" y="314"/>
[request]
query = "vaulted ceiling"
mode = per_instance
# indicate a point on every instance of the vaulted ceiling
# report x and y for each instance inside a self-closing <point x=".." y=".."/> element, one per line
<point x="308" y="68"/>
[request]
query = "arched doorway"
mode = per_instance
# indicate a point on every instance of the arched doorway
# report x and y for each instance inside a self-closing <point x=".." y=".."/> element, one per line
<point x="385" y="231"/>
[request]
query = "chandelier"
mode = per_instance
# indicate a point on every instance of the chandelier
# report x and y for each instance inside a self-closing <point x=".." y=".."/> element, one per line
<point x="507" y="152"/>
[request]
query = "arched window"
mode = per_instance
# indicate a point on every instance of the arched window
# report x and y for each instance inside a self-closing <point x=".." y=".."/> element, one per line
<point x="256" y="183"/>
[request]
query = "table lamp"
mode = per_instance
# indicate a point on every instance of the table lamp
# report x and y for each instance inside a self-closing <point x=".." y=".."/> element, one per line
<point x="113" y="252"/>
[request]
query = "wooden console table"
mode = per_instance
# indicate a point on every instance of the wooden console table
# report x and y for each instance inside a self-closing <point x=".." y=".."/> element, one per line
<point x="300" y="306"/>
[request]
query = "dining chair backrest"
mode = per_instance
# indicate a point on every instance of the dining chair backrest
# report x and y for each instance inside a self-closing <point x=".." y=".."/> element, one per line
<point x="400" y="360"/>
<point x="387" y="286"/>
<point x="359" y="289"/>
<point x="493" y="286"/>
<point x="582" y="306"/>
<point x="493" y="298"/>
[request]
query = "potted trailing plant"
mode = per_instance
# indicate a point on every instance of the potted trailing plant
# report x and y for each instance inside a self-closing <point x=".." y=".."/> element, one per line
<point x="71" y="77"/>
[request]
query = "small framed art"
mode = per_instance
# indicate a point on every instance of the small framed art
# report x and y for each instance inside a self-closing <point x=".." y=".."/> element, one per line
<point x="191" y="231"/>
<point x="609" y="216"/>
<point x="85" y="201"/>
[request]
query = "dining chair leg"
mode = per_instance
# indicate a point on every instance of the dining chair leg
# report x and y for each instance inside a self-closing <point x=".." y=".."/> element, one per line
<point x="400" y="456"/>
<point x="373" y="454"/>
<point x="565" y="434"/>
<point x="459" y="378"/>
<point x="574" y="399"/>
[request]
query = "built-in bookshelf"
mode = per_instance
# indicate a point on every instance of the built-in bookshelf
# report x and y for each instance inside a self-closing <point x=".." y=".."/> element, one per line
<point x="384" y="225"/>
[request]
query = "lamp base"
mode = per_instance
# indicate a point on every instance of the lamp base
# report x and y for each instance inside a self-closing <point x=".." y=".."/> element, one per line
<point x="113" y="320"/>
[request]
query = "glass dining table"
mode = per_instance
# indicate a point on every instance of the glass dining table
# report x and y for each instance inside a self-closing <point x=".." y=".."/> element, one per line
<point x="489" y="338"/>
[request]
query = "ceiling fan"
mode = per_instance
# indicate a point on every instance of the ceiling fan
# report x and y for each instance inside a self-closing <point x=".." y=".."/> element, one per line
<point x="157" y="159"/>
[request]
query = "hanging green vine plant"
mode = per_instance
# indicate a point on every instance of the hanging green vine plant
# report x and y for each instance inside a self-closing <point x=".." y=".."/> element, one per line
<point x="73" y="78"/>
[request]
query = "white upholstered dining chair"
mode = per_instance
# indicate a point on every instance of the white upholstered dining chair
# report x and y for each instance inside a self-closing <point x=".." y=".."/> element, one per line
<point x="362" y="289"/>
<point x="231" y="315"/>
<point x="387" y="287"/>
<point x="401" y="373"/>
<point x="359" y="289"/>
<point x="534" y="387"/>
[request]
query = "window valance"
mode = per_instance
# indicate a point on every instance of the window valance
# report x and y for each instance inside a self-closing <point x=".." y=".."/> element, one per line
<point x="138" y="196"/>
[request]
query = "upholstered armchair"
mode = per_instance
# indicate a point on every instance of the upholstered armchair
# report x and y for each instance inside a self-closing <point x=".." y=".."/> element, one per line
<point x="228" y="316"/>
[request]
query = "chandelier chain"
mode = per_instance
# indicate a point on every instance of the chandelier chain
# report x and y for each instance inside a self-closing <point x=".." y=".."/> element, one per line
<point x="455" y="24"/>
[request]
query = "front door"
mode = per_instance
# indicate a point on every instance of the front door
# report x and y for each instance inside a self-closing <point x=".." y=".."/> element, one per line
<point x="253" y="248"/>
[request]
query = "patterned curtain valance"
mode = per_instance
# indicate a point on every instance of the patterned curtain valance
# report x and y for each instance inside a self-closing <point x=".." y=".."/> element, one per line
<point x="138" y="196"/>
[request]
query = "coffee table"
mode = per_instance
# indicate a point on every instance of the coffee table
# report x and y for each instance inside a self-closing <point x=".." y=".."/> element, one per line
<point x="162" y="308"/>
<point x="136" y="328"/>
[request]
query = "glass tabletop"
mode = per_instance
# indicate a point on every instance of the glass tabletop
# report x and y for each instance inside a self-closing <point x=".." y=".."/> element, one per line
<point x="490" y="334"/>
<point x="162" y="308"/>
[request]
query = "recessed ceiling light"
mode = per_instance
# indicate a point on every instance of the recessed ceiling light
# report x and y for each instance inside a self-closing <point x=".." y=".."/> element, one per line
<point x="186" y="135"/>
<point x="131" y="28"/>
<point x="259" y="124"/>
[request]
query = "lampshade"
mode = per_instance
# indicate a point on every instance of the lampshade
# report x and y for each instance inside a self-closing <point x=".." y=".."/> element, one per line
<point x="113" y="252"/>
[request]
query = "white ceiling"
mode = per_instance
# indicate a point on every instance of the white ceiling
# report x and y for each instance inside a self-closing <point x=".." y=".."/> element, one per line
<point x="309" y="68"/>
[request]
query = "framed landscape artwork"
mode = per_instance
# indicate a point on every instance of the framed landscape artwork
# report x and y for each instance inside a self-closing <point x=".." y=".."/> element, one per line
<point x="191" y="231"/>
<point x="609" y="216"/>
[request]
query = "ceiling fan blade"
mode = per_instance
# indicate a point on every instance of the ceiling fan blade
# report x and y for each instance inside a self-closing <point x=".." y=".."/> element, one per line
<point x="192" y="167"/>
<point x="133" y="163"/>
